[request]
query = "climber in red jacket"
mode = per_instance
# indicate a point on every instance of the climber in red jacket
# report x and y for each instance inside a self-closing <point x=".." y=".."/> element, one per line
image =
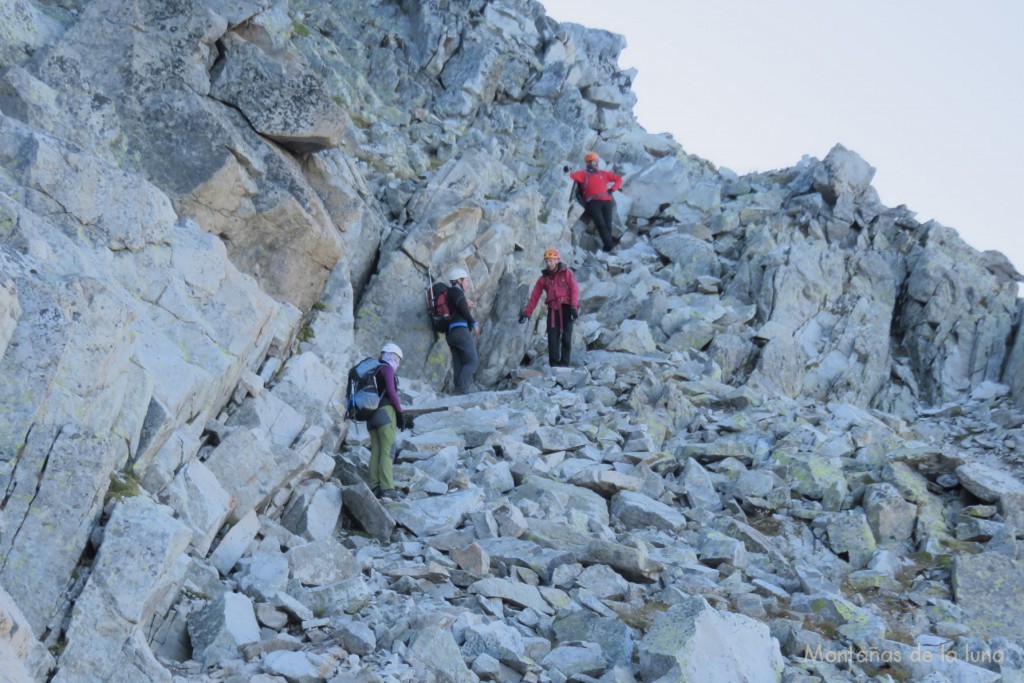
<point x="596" y="187"/>
<point x="562" y="296"/>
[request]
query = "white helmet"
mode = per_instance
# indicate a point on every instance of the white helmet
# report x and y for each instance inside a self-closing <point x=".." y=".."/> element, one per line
<point x="457" y="274"/>
<point x="391" y="347"/>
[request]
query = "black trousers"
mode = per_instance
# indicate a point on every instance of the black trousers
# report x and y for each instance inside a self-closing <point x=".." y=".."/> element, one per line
<point x="464" y="357"/>
<point x="559" y="335"/>
<point x="600" y="211"/>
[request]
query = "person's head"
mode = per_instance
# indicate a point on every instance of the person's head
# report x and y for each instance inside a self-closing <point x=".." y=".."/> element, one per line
<point x="391" y="353"/>
<point x="591" y="159"/>
<point x="551" y="258"/>
<point x="459" y="276"/>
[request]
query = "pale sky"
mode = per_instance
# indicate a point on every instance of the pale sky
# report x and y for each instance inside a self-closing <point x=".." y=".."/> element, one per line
<point x="929" y="92"/>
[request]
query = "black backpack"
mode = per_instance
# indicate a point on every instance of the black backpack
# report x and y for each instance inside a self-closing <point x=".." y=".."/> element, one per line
<point x="577" y="194"/>
<point x="363" y="396"/>
<point x="437" y="306"/>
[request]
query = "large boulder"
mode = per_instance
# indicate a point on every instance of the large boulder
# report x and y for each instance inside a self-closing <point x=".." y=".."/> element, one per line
<point x="694" y="642"/>
<point x="279" y="99"/>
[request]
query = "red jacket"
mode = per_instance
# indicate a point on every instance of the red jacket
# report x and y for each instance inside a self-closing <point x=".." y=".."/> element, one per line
<point x="595" y="184"/>
<point x="560" y="288"/>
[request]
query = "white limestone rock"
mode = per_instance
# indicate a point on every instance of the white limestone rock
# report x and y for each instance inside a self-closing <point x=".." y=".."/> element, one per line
<point x="200" y="502"/>
<point x="234" y="543"/>
<point x="221" y="627"/>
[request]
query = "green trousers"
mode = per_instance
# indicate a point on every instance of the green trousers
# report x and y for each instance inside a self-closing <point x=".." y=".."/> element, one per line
<point x="382" y="441"/>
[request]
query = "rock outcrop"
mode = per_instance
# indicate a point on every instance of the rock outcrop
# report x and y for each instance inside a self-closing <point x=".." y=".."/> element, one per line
<point x="789" y="448"/>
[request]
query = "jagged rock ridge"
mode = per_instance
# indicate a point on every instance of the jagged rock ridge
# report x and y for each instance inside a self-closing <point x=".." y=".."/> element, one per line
<point x="797" y="418"/>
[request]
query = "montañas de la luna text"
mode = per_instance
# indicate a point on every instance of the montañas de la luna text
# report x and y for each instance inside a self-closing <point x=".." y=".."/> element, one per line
<point x="916" y="653"/>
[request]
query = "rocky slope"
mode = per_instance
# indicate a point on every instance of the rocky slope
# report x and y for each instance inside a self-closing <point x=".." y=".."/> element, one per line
<point x="795" y="417"/>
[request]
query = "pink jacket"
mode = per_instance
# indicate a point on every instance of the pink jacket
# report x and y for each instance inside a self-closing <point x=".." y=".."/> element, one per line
<point x="560" y="288"/>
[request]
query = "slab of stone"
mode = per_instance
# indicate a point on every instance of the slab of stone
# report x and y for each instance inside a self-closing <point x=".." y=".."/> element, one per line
<point x="694" y="642"/>
<point x="554" y="439"/>
<point x="606" y="482"/>
<point x="200" y="501"/>
<point x="526" y="553"/>
<point x="713" y="451"/>
<point x="638" y="511"/>
<point x="265" y="572"/>
<point x="519" y="594"/>
<point x="431" y="571"/>
<point x="472" y="558"/>
<point x="613" y="635"/>
<point x="218" y="629"/>
<point x="499" y="640"/>
<point x="235" y="542"/>
<point x="435" y="650"/>
<point x="270" y="418"/>
<point x="995" y="486"/>
<point x="252" y="469"/>
<point x="364" y="507"/>
<point x="986" y="586"/>
<point x="321" y="562"/>
<point x="436" y="514"/>
<point x="716" y="548"/>
<point x="53" y="497"/>
<point x="583" y="659"/>
<point x="301" y="667"/>
<point x="564" y="497"/>
<point x="358" y="638"/>
<point x="890" y="517"/>
<point x="510" y="520"/>
<point x="293" y="108"/>
<point x="346" y="596"/>
<point x="313" y="514"/>
<point x="603" y="582"/>
<point x="699" y="489"/>
<point x="270" y="616"/>
<point x="850" y="533"/>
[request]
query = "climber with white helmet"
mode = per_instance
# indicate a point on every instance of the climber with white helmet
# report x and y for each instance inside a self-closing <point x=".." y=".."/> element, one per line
<point x="384" y="423"/>
<point x="595" y="187"/>
<point x="562" y="296"/>
<point x="461" y="330"/>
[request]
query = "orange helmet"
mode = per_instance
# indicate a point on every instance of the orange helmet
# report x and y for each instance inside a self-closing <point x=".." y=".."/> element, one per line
<point x="590" y="156"/>
<point x="552" y="253"/>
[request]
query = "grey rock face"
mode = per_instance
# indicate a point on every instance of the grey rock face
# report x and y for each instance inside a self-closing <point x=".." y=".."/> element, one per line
<point x="301" y="115"/>
<point x="790" y="410"/>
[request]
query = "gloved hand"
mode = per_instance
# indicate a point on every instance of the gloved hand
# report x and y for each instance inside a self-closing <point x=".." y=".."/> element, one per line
<point x="522" y="318"/>
<point x="574" y="313"/>
<point x="400" y="419"/>
<point x="565" y="169"/>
